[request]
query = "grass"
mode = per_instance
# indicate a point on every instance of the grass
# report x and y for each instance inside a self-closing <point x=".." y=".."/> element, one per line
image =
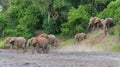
<point x="67" y="42"/>
<point x="1" y="43"/>
<point x="116" y="47"/>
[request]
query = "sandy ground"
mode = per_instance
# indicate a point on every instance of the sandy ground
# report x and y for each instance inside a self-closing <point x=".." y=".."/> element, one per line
<point x="78" y="47"/>
<point x="61" y="57"/>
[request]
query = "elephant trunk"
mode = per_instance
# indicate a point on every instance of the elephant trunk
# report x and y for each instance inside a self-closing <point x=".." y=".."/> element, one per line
<point x="88" y="26"/>
<point x="27" y="43"/>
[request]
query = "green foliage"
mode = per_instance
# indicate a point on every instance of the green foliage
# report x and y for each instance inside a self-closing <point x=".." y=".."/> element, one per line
<point x="69" y="41"/>
<point x="116" y="47"/>
<point x="4" y="4"/>
<point x="3" y="21"/>
<point x="56" y="15"/>
<point x="51" y="26"/>
<point x="77" y="20"/>
<point x="113" y="11"/>
<point x="117" y="30"/>
<point x="24" y="17"/>
<point x="1" y="43"/>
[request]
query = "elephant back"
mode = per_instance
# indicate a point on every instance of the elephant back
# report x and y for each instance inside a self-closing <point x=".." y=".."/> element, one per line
<point x="92" y="19"/>
<point x="43" y="35"/>
<point x="31" y="41"/>
<point x="21" y="41"/>
<point x="53" y="40"/>
<point x="80" y="35"/>
<point x="109" y="22"/>
<point x="42" y="41"/>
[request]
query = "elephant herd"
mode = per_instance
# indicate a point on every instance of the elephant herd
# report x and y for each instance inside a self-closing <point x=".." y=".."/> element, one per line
<point x="101" y="23"/>
<point x="104" y="24"/>
<point x="41" y="43"/>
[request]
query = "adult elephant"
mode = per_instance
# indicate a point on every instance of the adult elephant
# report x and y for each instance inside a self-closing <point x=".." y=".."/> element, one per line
<point x="38" y="43"/>
<point x="53" y="41"/>
<point x="107" y="23"/>
<point x="19" y="42"/>
<point x="43" y="35"/>
<point x="95" y="21"/>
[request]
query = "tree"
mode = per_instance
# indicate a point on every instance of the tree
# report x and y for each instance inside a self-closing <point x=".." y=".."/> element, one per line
<point x="77" y="20"/>
<point x="113" y="11"/>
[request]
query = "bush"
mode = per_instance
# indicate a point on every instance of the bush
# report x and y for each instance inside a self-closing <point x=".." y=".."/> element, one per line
<point x="113" y="11"/>
<point x="116" y="47"/>
<point x="3" y="22"/>
<point x="51" y="26"/>
<point x="10" y="32"/>
<point x="77" y="21"/>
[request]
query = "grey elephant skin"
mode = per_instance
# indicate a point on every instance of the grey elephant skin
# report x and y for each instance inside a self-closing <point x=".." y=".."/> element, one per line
<point x="80" y="36"/>
<point x="107" y="23"/>
<point x="95" y="21"/>
<point x="19" y="42"/>
<point x="40" y="44"/>
<point x="53" y="41"/>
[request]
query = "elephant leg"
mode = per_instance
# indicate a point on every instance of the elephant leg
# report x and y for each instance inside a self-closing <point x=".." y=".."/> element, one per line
<point x="17" y="49"/>
<point x="39" y="50"/>
<point x="94" y="27"/>
<point x="80" y="40"/>
<point x="98" y="25"/>
<point x="33" y="49"/>
<point x="11" y="47"/>
<point x="46" y="49"/>
<point x="77" y="41"/>
<point x="105" y="30"/>
<point x="24" y="49"/>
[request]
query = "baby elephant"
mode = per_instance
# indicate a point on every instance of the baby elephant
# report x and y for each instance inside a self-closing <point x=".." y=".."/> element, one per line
<point x="19" y="42"/>
<point x="80" y="36"/>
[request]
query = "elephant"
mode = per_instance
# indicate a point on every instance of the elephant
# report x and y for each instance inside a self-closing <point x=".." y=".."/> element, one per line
<point x="107" y="23"/>
<point x="43" y="35"/>
<point x="31" y="42"/>
<point x="53" y="41"/>
<point x="19" y="42"/>
<point x="37" y="33"/>
<point x="95" y="21"/>
<point x="80" y="36"/>
<point x="38" y="43"/>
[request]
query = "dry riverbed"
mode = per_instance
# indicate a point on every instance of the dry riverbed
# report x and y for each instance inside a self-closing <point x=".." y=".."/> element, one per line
<point x="60" y="59"/>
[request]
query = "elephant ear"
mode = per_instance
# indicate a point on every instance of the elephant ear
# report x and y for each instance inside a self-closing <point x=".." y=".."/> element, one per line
<point x="12" y="40"/>
<point x="34" y="41"/>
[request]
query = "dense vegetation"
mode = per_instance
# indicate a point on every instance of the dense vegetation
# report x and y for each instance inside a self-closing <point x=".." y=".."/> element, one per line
<point x="63" y="17"/>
